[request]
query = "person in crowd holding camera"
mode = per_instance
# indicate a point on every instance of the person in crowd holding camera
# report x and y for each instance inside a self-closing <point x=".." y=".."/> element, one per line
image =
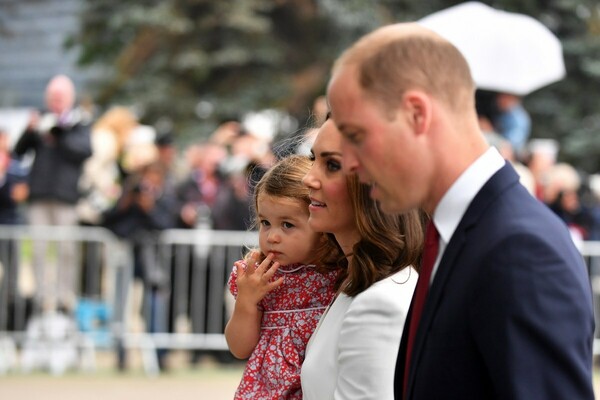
<point x="145" y="208"/>
<point x="60" y="140"/>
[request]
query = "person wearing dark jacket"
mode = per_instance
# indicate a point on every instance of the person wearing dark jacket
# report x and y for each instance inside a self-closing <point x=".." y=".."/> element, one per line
<point x="60" y="141"/>
<point x="13" y="192"/>
<point x="145" y="208"/>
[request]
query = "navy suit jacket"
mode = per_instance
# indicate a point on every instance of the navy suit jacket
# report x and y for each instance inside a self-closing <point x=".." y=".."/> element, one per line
<point x="509" y="313"/>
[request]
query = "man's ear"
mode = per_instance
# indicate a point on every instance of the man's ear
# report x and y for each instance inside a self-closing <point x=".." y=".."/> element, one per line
<point x="418" y="107"/>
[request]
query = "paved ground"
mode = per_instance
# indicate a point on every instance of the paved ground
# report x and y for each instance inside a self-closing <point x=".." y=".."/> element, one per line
<point x="200" y="384"/>
<point x="207" y="381"/>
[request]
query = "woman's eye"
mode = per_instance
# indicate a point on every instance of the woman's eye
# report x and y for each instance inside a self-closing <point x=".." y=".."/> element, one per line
<point x="333" y="165"/>
<point x="311" y="157"/>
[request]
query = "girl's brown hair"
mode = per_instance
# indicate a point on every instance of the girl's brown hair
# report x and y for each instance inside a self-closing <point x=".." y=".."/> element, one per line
<point x="284" y="179"/>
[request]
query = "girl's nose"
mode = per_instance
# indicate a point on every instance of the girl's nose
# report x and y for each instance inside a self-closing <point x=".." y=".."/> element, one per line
<point x="273" y="237"/>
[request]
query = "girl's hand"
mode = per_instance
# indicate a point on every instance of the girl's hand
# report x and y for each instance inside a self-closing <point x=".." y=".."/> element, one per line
<point x="255" y="282"/>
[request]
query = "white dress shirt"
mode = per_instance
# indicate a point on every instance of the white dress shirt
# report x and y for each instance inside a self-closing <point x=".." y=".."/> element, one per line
<point x="451" y="208"/>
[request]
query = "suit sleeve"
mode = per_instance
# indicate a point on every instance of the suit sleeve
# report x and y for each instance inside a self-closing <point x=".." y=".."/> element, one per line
<point x="533" y="321"/>
<point x="368" y="344"/>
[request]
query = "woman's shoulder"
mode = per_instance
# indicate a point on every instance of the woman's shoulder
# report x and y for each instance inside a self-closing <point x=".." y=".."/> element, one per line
<point x="396" y="289"/>
<point x="406" y="278"/>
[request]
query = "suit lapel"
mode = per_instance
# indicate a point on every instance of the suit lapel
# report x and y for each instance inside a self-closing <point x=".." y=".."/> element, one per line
<point x="493" y="188"/>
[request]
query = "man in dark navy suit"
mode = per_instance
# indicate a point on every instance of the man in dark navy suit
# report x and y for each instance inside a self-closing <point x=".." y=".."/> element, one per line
<point x="506" y="302"/>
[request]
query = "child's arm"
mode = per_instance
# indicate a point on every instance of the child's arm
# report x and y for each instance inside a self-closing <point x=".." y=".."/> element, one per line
<point x="243" y="329"/>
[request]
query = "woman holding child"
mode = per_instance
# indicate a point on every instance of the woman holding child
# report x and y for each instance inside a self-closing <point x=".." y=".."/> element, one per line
<point x="352" y="353"/>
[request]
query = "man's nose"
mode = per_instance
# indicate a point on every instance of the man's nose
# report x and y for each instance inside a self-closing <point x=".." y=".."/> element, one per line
<point x="350" y="163"/>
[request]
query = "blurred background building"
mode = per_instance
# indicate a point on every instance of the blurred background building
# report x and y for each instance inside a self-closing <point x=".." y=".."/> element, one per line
<point x="32" y="47"/>
<point x="32" y="44"/>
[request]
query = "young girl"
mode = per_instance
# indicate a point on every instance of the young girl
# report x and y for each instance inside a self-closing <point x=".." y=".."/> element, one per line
<point x="280" y="292"/>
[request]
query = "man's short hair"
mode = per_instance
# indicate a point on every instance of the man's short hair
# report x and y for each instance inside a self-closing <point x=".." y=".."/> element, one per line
<point x="399" y="57"/>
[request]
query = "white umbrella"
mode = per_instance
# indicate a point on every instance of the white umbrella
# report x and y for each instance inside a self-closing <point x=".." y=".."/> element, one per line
<point x="507" y="52"/>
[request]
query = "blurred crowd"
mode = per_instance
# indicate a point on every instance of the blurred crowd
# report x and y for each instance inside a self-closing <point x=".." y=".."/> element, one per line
<point x="73" y="168"/>
<point x="70" y="167"/>
<point x="571" y="194"/>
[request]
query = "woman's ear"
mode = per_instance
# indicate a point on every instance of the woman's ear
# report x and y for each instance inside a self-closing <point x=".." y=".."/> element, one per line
<point x="418" y="107"/>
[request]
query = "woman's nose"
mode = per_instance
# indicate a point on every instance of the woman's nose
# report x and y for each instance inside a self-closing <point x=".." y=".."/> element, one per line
<point x="309" y="180"/>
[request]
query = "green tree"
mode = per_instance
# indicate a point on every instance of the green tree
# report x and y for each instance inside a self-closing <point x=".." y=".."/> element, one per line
<point x="567" y="110"/>
<point x="180" y="59"/>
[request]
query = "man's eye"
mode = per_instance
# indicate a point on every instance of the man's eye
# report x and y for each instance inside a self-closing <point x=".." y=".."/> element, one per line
<point x="352" y="137"/>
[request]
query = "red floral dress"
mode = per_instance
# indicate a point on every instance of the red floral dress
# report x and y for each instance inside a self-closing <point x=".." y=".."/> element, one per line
<point x="290" y="315"/>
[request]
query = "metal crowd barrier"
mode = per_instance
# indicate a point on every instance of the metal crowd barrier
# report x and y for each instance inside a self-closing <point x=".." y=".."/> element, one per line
<point x="591" y="253"/>
<point x="183" y="274"/>
<point x="183" y="303"/>
<point x="188" y="291"/>
<point x="42" y="340"/>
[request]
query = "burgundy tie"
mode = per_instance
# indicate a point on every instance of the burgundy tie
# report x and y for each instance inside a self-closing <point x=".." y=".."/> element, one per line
<point x="430" y="251"/>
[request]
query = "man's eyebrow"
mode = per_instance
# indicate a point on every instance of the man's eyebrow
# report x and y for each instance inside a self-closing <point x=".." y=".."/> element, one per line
<point x="342" y="127"/>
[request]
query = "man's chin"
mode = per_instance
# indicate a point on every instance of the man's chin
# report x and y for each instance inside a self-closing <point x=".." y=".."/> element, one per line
<point x="387" y="204"/>
<point x="389" y="207"/>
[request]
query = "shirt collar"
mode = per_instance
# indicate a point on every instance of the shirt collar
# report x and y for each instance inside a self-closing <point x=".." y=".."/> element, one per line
<point x="455" y="202"/>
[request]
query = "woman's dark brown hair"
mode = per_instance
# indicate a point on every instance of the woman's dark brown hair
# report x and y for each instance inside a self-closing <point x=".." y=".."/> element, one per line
<point x="388" y="243"/>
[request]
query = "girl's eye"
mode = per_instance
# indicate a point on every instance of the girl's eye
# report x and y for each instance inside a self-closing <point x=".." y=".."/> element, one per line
<point x="264" y="222"/>
<point x="333" y="165"/>
<point x="287" y="225"/>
